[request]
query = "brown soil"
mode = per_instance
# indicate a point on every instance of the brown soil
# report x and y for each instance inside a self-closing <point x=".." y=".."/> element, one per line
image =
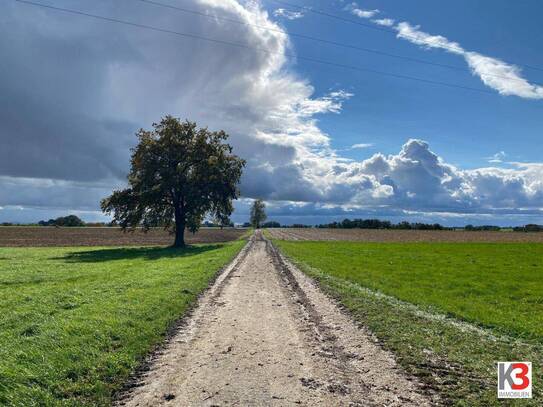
<point x="28" y="236"/>
<point x="371" y="235"/>
<point x="265" y="335"/>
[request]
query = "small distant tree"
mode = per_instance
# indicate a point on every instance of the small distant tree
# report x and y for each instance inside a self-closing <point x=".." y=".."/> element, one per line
<point x="70" y="221"/>
<point x="258" y="213"/>
<point x="179" y="174"/>
<point x="63" y="221"/>
<point x="533" y="228"/>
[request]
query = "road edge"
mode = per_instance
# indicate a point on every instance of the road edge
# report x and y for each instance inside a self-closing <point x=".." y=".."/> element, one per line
<point x="186" y="320"/>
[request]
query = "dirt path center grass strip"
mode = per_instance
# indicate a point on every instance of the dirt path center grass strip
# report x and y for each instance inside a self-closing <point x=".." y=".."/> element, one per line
<point x="76" y="322"/>
<point x="489" y="285"/>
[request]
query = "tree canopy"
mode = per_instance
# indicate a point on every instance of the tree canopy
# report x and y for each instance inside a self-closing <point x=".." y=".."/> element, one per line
<point x="258" y="213"/>
<point x="67" y="221"/>
<point x="179" y="174"/>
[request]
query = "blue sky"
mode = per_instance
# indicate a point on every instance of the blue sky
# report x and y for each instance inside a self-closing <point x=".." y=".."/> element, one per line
<point x="322" y="142"/>
<point x="464" y="126"/>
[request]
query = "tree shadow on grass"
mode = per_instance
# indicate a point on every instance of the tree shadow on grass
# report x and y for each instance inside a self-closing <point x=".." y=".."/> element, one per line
<point x="133" y="253"/>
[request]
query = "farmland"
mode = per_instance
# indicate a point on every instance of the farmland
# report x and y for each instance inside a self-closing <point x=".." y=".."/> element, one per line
<point x="402" y="236"/>
<point x="77" y="321"/>
<point x="437" y="309"/>
<point x="28" y="236"/>
<point x="448" y="309"/>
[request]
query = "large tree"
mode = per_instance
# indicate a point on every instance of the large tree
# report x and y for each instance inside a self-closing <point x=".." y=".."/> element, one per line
<point x="179" y="174"/>
<point x="258" y="213"/>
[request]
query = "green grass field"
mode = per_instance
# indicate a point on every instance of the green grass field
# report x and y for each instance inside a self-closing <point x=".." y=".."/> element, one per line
<point x="449" y="311"/>
<point x="76" y="322"/>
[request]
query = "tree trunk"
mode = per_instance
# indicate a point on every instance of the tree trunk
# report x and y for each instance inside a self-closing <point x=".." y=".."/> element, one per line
<point x="179" y="228"/>
<point x="179" y="237"/>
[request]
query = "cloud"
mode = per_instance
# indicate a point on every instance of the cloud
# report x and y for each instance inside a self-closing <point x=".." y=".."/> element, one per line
<point x="418" y="179"/>
<point x="288" y="14"/>
<point x="77" y="89"/>
<point x="354" y="9"/>
<point x="413" y="34"/>
<point x="387" y="22"/>
<point x="503" y="77"/>
<point x="361" y="146"/>
<point x="497" y="158"/>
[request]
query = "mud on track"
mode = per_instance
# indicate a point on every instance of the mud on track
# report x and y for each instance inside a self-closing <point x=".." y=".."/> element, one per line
<point x="377" y="235"/>
<point x="264" y="334"/>
<point x="29" y="236"/>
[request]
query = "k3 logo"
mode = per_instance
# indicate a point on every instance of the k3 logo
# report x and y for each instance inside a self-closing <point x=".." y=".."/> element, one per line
<point x="514" y="380"/>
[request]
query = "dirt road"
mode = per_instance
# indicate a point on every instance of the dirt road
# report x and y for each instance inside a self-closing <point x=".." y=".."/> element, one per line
<point x="263" y="335"/>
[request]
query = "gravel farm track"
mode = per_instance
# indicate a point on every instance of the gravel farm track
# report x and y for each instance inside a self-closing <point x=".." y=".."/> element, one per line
<point x="404" y="236"/>
<point x="264" y="335"/>
<point x="42" y="236"/>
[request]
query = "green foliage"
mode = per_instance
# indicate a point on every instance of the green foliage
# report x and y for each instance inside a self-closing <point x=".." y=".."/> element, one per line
<point x="401" y="291"/>
<point x="271" y="224"/>
<point x="380" y="224"/>
<point x="529" y="228"/>
<point x="258" y="213"/>
<point x="64" y="221"/>
<point x="75" y="322"/>
<point x="179" y="173"/>
<point x="491" y="228"/>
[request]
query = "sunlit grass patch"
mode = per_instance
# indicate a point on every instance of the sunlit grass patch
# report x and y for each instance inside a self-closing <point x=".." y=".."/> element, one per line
<point x="449" y="311"/>
<point x="76" y="322"/>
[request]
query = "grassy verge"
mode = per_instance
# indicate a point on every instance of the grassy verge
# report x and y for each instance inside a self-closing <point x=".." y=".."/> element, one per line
<point x="448" y="311"/>
<point x="76" y="322"/>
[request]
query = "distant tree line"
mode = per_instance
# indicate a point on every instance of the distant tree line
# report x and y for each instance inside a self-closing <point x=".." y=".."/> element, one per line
<point x="275" y="224"/>
<point x="381" y="224"/>
<point x="63" y="221"/>
<point x="74" y="221"/>
<point x="525" y="228"/>
<point x="218" y="224"/>
<point x="529" y="228"/>
<point x="471" y="228"/>
<point x="384" y="224"/>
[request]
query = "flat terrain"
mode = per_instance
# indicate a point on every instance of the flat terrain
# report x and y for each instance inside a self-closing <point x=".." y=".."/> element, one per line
<point x="28" y="236"/>
<point x="448" y="311"/>
<point x="265" y="335"/>
<point x="484" y="283"/>
<point x="76" y="322"/>
<point x="382" y="235"/>
<point x="421" y="323"/>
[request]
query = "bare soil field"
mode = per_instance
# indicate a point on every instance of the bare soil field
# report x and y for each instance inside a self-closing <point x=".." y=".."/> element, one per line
<point x="379" y="235"/>
<point x="43" y="236"/>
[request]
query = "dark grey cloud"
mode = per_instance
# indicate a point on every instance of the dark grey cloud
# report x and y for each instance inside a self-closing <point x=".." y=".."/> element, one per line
<point x="74" y="90"/>
<point x="54" y="82"/>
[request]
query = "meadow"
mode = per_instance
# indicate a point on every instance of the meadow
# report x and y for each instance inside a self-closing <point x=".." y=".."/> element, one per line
<point x="449" y="311"/>
<point x="76" y="322"/>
